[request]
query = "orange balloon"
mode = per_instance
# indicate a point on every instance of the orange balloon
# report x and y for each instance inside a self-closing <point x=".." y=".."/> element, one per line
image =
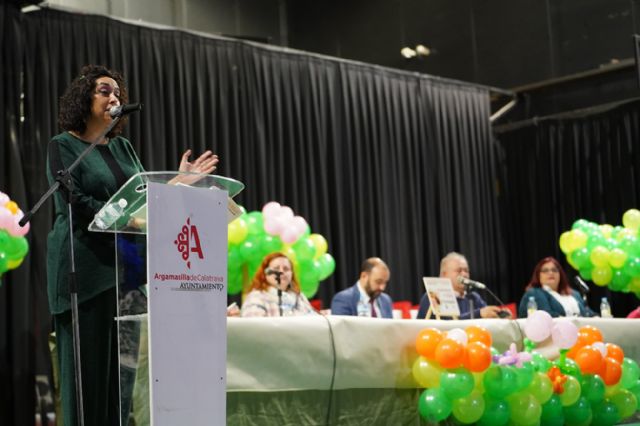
<point x="477" y="357"/>
<point x="589" y="334"/>
<point x="478" y="334"/>
<point x="574" y="349"/>
<point x="589" y="359"/>
<point x="427" y="341"/>
<point x="450" y="353"/>
<point x="614" y="351"/>
<point x="610" y="372"/>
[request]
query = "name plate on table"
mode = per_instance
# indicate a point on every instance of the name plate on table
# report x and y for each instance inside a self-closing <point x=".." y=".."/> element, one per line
<point x="187" y="267"/>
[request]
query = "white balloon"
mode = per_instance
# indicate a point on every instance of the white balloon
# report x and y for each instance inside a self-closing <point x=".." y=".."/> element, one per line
<point x="459" y="335"/>
<point x="601" y="347"/>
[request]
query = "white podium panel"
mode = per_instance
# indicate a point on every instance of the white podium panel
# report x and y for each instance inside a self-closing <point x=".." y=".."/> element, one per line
<point x="187" y="276"/>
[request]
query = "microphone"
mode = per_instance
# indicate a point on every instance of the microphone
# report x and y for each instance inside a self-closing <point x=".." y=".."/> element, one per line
<point x="582" y="286"/>
<point x="270" y="271"/>
<point x="471" y="283"/>
<point x="122" y="110"/>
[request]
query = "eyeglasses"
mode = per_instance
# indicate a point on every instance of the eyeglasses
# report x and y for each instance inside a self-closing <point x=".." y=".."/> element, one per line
<point x="106" y="90"/>
<point x="547" y="270"/>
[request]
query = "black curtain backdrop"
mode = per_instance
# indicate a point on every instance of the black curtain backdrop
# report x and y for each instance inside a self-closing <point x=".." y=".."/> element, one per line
<point x="380" y="162"/>
<point x="559" y="169"/>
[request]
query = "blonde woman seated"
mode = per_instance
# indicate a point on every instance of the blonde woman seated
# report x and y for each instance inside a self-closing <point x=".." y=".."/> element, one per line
<point x="275" y="291"/>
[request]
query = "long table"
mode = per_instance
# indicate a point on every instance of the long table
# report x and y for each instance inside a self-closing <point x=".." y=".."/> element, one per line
<point x="339" y="370"/>
<point x="350" y="370"/>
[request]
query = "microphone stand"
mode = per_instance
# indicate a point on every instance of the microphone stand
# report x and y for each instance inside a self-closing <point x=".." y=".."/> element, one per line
<point x="279" y="294"/>
<point x="467" y="288"/>
<point x="64" y="184"/>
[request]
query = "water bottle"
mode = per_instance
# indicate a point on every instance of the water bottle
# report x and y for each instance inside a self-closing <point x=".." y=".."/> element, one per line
<point x="363" y="309"/>
<point x="605" y="309"/>
<point x="531" y="306"/>
<point x="110" y="213"/>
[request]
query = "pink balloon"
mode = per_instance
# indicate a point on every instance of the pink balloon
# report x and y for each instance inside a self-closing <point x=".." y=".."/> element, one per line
<point x="17" y="230"/>
<point x="273" y="225"/>
<point x="299" y="224"/>
<point x="271" y="209"/>
<point x="6" y="218"/>
<point x="538" y="326"/>
<point x="564" y="334"/>
<point x="289" y="235"/>
<point x="286" y="213"/>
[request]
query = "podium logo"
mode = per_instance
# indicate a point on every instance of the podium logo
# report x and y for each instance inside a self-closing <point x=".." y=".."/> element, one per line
<point x="188" y="241"/>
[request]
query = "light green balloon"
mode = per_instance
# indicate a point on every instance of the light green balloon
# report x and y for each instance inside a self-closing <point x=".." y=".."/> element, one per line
<point x="571" y="392"/>
<point x="468" y="409"/>
<point x="541" y="387"/>
<point x="626" y="403"/>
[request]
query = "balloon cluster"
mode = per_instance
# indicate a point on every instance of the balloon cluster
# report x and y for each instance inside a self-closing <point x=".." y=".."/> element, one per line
<point x="13" y="244"/>
<point x="465" y="378"/>
<point x="604" y="254"/>
<point x="254" y="235"/>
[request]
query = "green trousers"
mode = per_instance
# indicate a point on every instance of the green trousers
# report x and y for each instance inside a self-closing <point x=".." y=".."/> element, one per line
<point x="99" y="357"/>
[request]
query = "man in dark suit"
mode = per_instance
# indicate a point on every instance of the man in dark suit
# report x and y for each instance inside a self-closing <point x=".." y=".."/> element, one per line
<point x="453" y="266"/>
<point x="366" y="297"/>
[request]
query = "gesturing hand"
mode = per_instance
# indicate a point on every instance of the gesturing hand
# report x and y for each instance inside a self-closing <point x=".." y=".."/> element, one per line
<point x="205" y="164"/>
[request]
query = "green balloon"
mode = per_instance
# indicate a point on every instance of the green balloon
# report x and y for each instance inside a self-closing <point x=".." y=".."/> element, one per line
<point x="540" y="362"/>
<point x="579" y="413"/>
<point x="592" y="388"/>
<point x="271" y="243"/>
<point x="234" y="258"/>
<point x="541" y="387"/>
<point x="569" y="367"/>
<point x="4" y="261"/>
<point x="619" y="281"/>
<point x="630" y="373"/>
<point x="327" y="265"/>
<point x="605" y="413"/>
<point x="552" y="413"/>
<point x="234" y="280"/>
<point x="456" y="383"/>
<point x="305" y="249"/>
<point x="636" y="391"/>
<point x="496" y="412"/>
<point x="255" y="223"/>
<point x="581" y="258"/>
<point x="585" y="273"/>
<point x="524" y="408"/>
<point x="626" y="403"/>
<point x="571" y="391"/>
<point x="499" y="381"/>
<point x="250" y="250"/>
<point x="310" y="289"/>
<point x="524" y="375"/>
<point x="433" y="405"/>
<point x="17" y="248"/>
<point x="308" y="272"/>
<point x="632" y="266"/>
<point x="468" y="409"/>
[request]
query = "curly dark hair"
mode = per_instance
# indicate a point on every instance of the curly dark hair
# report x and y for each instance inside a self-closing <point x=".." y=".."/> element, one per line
<point x="75" y="103"/>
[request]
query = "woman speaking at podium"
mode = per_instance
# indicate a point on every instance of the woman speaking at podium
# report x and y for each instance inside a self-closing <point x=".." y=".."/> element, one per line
<point x="84" y="115"/>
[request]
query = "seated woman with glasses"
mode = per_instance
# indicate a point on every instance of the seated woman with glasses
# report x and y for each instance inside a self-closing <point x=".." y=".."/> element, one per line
<point x="550" y="289"/>
<point x="275" y="290"/>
